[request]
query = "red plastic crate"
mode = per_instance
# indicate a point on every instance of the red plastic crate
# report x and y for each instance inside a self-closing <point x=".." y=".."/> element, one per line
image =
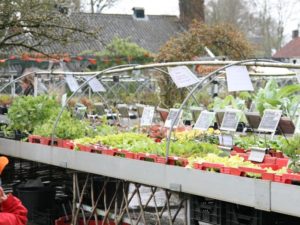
<point x="45" y="140"/>
<point x="67" y="221"/>
<point x="231" y="171"/>
<point x="238" y="149"/>
<point x="278" y="178"/>
<point x="85" y="148"/>
<point x="125" y="153"/>
<point x="266" y="165"/>
<point x="111" y="152"/>
<point x="98" y="149"/>
<point x="288" y="178"/>
<point x="206" y="165"/>
<point x="282" y="162"/>
<point x="161" y="159"/>
<point x="268" y="176"/>
<point x="177" y="161"/>
<point x="69" y="144"/>
<point x="245" y="170"/>
<point x="147" y="157"/>
<point x="35" y="139"/>
<point x="269" y="159"/>
<point x="276" y="154"/>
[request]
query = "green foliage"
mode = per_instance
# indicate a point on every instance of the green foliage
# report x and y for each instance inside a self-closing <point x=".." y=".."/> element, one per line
<point x="27" y="112"/>
<point x="291" y="146"/>
<point x="68" y="127"/>
<point x="123" y="47"/>
<point x="246" y="142"/>
<point x="121" y="51"/>
<point x="273" y="97"/>
<point x="141" y="143"/>
<point x="228" y="102"/>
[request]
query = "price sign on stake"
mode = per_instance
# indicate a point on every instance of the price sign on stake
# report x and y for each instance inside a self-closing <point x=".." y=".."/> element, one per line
<point x="230" y="120"/>
<point x="95" y="84"/>
<point x="72" y="83"/>
<point x="63" y="99"/>
<point x="171" y="117"/>
<point x="147" y="116"/>
<point x="204" y="120"/>
<point x="270" y="120"/>
<point x="226" y="140"/>
<point x="257" y="154"/>
<point x="182" y="76"/>
<point x="238" y="79"/>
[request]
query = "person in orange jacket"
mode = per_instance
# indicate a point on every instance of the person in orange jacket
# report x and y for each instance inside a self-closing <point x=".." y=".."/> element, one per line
<point x="12" y="211"/>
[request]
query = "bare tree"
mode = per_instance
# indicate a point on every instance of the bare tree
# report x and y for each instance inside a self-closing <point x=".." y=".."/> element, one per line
<point x="33" y="24"/>
<point x="262" y="21"/>
<point x="95" y="6"/>
<point x="272" y="18"/>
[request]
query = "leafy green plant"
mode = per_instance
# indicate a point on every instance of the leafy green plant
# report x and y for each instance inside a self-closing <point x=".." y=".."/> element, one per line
<point x="228" y="102"/>
<point x="27" y="112"/>
<point x="68" y="127"/>
<point x="273" y="97"/>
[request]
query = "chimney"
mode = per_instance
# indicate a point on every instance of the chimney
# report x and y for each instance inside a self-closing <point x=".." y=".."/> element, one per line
<point x="191" y="10"/>
<point x="138" y="12"/>
<point x="295" y="34"/>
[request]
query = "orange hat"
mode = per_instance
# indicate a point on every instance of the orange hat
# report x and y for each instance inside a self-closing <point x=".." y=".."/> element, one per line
<point x="3" y="162"/>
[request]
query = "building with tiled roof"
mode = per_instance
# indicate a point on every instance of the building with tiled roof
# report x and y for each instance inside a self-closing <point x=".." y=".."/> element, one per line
<point x="291" y="51"/>
<point x="148" y="31"/>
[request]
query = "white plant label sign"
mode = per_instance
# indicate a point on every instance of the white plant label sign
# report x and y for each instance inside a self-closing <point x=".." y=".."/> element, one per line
<point x="171" y="118"/>
<point x="95" y="84"/>
<point x="72" y="82"/>
<point x="230" y="120"/>
<point x="297" y="129"/>
<point x="63" y="99"/>
<point x="238" y="79"/>
<point x="204" y="120"/>
<point x="270" y="120"/>
<point x="147" y="116"/>
<point x="257" y="154"/>
<point x="182" y="76"/>
<point x="226" y="140"/>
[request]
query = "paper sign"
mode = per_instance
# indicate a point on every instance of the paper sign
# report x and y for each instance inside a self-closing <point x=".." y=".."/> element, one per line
<point x="95" y="84"/>
<point x="226" y="140"/>
<point x="63" y="99"/>
<point x="171" y="117"/>
<point x="204" y="120"/>
<point x="72" y="83"/>
<point x="147" y="116"/>
<point x="238" y="79"/>
<point x="230" y="120"/>
<point x="257" y="154"/>
<point x="270" y="120"/>
<point x="182" y="76"/>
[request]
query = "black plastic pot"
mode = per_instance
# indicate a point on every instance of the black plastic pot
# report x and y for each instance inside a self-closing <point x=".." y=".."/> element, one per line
<point x="36" y="198"/>
<point x="3" y="110"/>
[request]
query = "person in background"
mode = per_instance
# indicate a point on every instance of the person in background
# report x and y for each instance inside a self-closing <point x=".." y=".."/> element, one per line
<point x="12" y="212"/>
<point x="27" y="85"/>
